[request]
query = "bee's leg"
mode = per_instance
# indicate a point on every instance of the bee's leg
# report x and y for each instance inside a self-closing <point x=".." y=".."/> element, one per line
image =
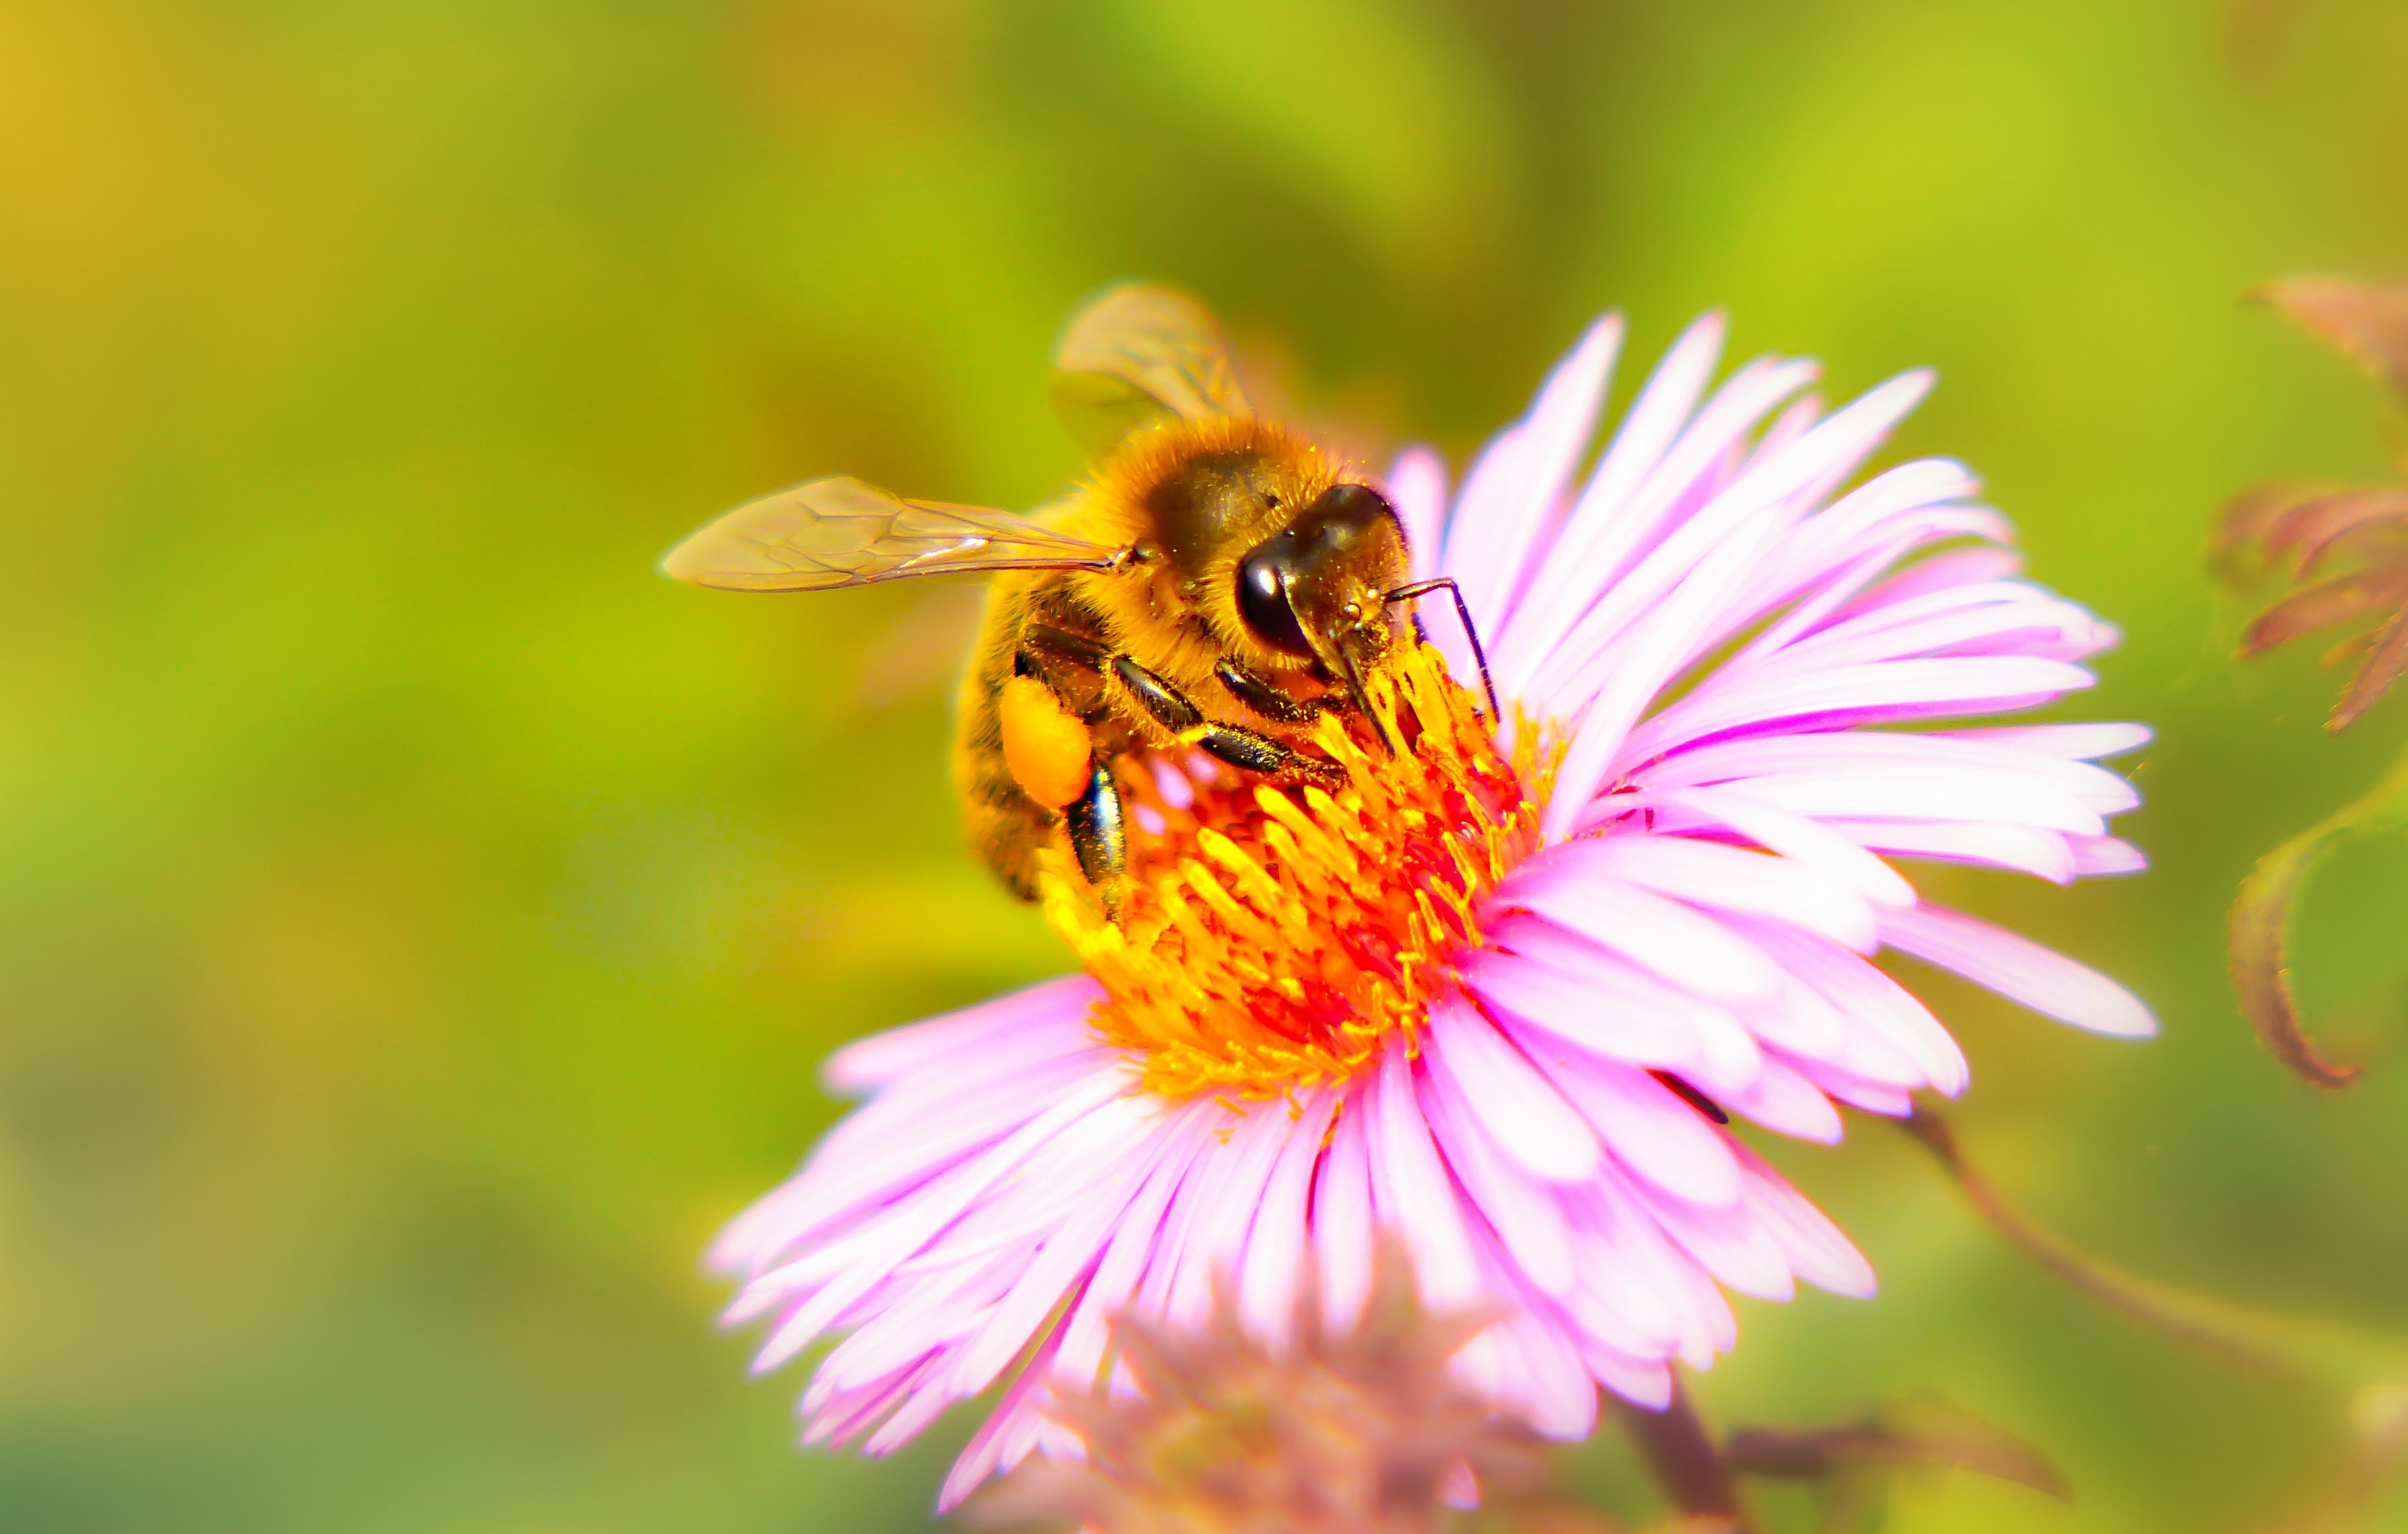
<point x="1263" y="698"/>
<point x="1047" y="653"/>
<point x="1100" y="835"/>
<point x="1232" y="743"/>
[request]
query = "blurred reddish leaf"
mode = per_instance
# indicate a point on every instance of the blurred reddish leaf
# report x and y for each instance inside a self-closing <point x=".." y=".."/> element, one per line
<point x="2306" y="528"/>
<point x="2306" y="525"/>
<point x="2246" y="517"/>
<point x="2367" y="321"/>
<point x="2363" y="522"/>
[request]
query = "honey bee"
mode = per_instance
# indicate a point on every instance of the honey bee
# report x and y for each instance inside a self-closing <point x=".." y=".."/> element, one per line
<point x="1218" y="583"/>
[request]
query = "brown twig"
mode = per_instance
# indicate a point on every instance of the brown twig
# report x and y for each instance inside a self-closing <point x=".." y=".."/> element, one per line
<point x="1682" y="1453"/>
<point x="2189" y="1316"/>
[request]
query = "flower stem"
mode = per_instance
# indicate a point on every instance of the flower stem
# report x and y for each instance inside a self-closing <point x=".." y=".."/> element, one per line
<point x="2303" y="1351"/>
<point x="1682" y="1453"/>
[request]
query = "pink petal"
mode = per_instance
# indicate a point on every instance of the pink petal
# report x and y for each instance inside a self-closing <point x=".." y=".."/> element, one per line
<point x="1548" y="1382"/>
<point x="1796" y="837"/>
<point x="1885" y="690"/>
<point x="847" y="1415"/>
<point x="990" y="1445"/>
<point x="1273" y="1265"/>
<point x="1580" y="599"/>
<point x="1728" y="879"/>
<point x="1234" y="1183"/>
<point x="1575" y="1000"/>
<point x="883" y="1057"/>
<point x="1067" y="1255"/>
<point x="1873" y="517"/>
<point x="857" y="1262"/>
<point x="1742" y="762"/>
<point x="1798" y="1020"/>
<point x="1647" y="1385"/>
<point x="1523" y="1214"/>
<point x="2045" y="854"/>
<point x="1343" y="1235"/>
<point x="2094" y="855"/>
<point x="1600" y="521"/>
<point x="1793" y="422"/>
<point x="1728" y="1243"/>
<point x="1572" y="992"/>
<point x="853" y="1175"/>
<point x="1814" y="1248"/>
<point x="1527" y="1116"/>
<point x="1953" y="567"/>
<point x="1868" y="996"/>
<point x="1928" y="794"/>
<point x="1787" y="1103"/>
<point x="1886" y="1099"/>
<point x="1410" y="1186"/>
<point x="1654" y="931"/>
<point x="1113" y="1288"/>
<point x="1193" y="1202"/>
<point x="1650" y="1130"/>
<point x="1610" y="691"/>
<point x="2020" y="970"/>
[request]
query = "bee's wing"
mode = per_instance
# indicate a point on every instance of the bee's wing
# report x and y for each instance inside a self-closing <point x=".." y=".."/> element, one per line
<point x="1137" y="354"/>
<point x="841" y="532"/>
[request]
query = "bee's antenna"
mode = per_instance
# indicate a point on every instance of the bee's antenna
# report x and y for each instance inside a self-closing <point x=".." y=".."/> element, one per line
<point x="1479" y="654"/>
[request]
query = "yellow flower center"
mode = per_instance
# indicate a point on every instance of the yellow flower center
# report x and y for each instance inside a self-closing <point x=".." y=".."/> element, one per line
<point x="1271" y="939"/>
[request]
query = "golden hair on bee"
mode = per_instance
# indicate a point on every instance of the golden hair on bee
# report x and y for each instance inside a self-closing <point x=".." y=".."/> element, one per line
<point x="1198" y="496"/>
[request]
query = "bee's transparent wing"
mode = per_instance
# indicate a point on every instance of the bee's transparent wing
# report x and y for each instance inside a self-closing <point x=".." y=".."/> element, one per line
<point x="841" y="532"/>
<point x="1137" y="354"/>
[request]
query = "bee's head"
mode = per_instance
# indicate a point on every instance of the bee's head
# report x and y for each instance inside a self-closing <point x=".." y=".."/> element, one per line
<point x="1317" y="587"/>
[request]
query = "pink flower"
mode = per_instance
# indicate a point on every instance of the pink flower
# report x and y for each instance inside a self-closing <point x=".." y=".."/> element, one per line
<point x="1495" y="1000"/>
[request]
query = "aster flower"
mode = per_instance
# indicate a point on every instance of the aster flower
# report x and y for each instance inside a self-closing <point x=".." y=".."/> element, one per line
<point x="1499" y="995"/>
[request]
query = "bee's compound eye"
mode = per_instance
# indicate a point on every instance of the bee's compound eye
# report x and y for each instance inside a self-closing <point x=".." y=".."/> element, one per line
<point x="1262" y="594"/>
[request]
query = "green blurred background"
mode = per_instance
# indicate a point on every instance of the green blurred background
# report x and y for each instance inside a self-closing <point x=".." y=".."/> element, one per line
<point x="419" y="923"/>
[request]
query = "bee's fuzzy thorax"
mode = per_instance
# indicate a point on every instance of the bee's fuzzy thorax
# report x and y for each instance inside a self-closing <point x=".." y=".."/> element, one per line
<point x="1115" y="508"/>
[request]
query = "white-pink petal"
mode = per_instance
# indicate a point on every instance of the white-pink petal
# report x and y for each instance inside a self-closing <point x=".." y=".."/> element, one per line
<point x="1522" y="1112"/>
<point x="886" y="1057"/>
<point x="1651" y="1130"/>
<point x="1813" y="1247"/>
<point x="2020" y="970"/>
<point x="1522" y="1211"/>
<point x="1272" y="1267"/>
<point x="1654" y="931"/>
<point x="1726" y="878"/>
<point x="1799" y="838"/>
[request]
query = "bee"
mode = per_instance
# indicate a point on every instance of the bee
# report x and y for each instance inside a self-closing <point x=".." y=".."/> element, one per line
<point x="1217" y="584"/>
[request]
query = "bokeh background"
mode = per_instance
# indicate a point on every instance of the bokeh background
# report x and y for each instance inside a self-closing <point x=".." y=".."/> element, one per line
<point x="419" y="923"/>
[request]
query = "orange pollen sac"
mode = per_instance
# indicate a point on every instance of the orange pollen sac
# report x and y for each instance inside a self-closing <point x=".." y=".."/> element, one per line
<point x="1271" y="937"/>
<point x="1045" y="748"/>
